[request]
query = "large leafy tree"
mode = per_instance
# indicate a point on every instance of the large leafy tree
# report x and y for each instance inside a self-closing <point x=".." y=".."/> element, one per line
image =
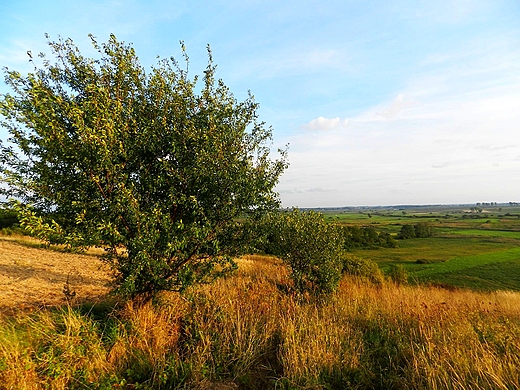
<point x="152" y="166"/>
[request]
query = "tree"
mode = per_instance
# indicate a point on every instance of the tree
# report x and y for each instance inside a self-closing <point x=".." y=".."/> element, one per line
<point x="407" y="231"/>
<point x="386" y="240"/>
<point x="311" y="248"/>
<point x="419" y="230"/>
<point x="364" y="268"/>
<point x="104" y="153"/>
<point x="423" y="230"/>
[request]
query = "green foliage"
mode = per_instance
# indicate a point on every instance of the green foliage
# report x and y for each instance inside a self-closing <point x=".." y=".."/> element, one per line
<point x="105" y="153"/>
<point x="423" y="230"/>
<point x="366" y="237"/>
<point x="407" y="231"/>
<point x="8" y="218"/>
<point x="387" y="240"/>
<point x="364" y="268"/>
<point x="311" y="247"/>
<point x="419" y="230"/>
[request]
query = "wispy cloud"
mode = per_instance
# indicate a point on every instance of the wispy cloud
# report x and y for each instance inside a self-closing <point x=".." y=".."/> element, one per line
<point x="293" y="61"/>
<point x="306" y="190"/>
<point x="324" y="124"/>
<point x="399" y="104"/>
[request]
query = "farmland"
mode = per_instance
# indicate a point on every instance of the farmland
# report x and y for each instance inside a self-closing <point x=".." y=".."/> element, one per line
<point x="472" y="249"/>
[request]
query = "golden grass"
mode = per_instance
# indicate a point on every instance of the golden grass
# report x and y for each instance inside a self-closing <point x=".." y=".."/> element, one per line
<point x="31" y="277"/>
<point x="245" y="331"/>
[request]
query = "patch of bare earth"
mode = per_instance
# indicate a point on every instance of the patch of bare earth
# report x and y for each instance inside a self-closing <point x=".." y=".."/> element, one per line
<point x="33" y="277"/>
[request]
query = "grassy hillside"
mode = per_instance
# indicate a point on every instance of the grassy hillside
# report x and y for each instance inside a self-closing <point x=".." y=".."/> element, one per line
<point x="246" y="332"/>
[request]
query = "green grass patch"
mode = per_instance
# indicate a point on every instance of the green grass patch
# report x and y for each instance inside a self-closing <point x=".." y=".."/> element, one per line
<point x="437" y="249"/>
<point x="465" y="263"/>
<point x="480" y="232"/>
<point x="501" y="275"/>
<point x="484" y="262"/>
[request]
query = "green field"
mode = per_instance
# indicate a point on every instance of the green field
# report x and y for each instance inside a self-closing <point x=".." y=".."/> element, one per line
<point x="476" y="250"/>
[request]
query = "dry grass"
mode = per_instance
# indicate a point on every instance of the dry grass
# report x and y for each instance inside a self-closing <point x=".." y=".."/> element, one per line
<point x="31" y="277"/>
<point x="246" y="332"/>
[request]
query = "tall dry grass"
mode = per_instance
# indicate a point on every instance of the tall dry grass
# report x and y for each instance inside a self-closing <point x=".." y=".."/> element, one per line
<point x="246" y="331"/>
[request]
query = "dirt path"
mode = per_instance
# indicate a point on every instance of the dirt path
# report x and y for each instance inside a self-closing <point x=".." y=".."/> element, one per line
<point x="32" y="277"/>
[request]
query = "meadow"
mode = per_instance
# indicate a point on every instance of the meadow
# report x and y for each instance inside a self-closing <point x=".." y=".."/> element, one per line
<point x="455" y="325"/>
<point x="476" y="250"/>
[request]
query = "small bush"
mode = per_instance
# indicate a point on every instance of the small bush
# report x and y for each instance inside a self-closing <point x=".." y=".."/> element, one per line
<point x="386" y="240"/>
<point x="423" y="261"/>
<point x="309" y="246"/>
<point x="419" y="230"/>
<point x="14" y="230"/>
<point x="423" y="230"/>
<point x="407" y="231"/>
<point x="366" y="237"/>
<point x="364" y="268"/>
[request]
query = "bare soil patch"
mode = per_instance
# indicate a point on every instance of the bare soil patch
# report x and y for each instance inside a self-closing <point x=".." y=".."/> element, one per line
<point x="32" y="277"/>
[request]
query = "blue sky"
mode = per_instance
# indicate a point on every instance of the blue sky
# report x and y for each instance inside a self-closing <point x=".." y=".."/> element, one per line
<point x="382" y="102"/>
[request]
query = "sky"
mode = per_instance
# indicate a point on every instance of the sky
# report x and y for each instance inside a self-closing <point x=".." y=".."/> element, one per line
<point x="383" y="102"/>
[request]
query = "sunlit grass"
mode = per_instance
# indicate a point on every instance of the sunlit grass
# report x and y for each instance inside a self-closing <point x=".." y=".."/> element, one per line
<point x="246" y="331"/>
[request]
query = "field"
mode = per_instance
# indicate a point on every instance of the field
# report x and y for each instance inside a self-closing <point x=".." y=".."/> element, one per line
<point x="245" y="332"/>
<point x="469" y="249"/>
<point x="60" y="330"/>
<point x="31" y="277"/>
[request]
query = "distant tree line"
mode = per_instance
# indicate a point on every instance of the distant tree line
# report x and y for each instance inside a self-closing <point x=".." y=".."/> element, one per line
<point x="419" y="230"/>
<point x="495" y="204"/>
<point x="366" y="237"/>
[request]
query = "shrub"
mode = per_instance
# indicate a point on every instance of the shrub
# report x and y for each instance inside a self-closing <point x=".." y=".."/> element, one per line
<point x="387" y="240"/>
<point x="309" y="246"/>
<point x="8" y="218"/>
<point x="364" y="268"/>
<point x="423" y="230"/>
<point x="365" y="237"/>
<point x="407" y="231"/>
<point x="419" y="230"/>
<point x="423" y="261"/>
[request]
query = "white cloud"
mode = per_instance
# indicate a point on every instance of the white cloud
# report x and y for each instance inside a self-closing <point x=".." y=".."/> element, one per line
<point x="398" y="105"/>
<point x="324" y="124"/>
